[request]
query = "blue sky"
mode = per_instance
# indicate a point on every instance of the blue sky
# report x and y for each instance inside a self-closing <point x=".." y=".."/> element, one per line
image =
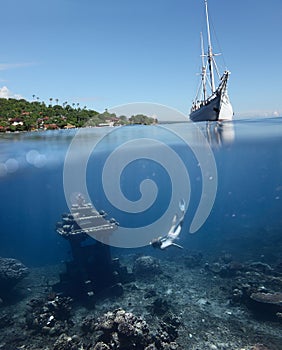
<point x="103" y="53"/>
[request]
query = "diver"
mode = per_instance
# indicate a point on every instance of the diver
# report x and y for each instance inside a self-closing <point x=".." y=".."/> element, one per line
<point x="166" y="241"/>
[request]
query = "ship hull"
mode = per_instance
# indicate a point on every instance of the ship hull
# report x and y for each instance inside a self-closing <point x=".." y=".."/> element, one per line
<point x="219" y="108"/>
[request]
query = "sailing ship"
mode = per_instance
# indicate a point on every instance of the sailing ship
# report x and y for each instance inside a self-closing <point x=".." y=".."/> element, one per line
<point x="211" y="102"/>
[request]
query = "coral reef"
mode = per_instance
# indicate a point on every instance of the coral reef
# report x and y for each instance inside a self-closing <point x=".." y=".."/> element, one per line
<point x="269" y="302"/>
<point x="11" y="272"/>
<point x="225" y="266"/>
<point x="146" y="266"/>
<point x="51" y="316"/>
<point x="187" y="306"/>
<point x="124" y="330"/>
<point x="256" y="284"/>
<point x="64" y="342"/>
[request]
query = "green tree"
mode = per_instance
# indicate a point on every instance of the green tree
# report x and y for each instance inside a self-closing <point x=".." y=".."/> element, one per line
<point x="141" y="119"/>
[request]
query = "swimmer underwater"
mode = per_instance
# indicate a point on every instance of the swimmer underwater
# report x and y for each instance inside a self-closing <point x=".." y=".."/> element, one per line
<point x="166" y="241"/>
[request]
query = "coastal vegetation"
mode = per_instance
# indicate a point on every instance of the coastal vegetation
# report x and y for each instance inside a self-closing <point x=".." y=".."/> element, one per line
<point x="22" y="115"/>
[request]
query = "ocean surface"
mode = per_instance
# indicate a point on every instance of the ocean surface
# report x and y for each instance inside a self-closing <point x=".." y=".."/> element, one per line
<point x="242" y="210"/>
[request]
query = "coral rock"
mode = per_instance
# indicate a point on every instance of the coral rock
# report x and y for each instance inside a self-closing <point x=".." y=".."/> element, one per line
<point x="101" y="346"/>
<point x="123" y="330"/>
<point x="49" y="317"/>
<point x="64" y="342"/>
<point x="269" y="302"/>
<point x="11" y="272"/>
<point x="146" y="266"/>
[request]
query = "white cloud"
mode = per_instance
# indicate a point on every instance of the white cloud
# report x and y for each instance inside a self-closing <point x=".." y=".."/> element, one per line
<point x="5" y="66"/>
<point x="6" y="93"/>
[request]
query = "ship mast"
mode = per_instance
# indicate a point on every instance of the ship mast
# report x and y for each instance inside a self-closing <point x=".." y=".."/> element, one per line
<point x="210" y="54"/>
<point x="203" y="69"/>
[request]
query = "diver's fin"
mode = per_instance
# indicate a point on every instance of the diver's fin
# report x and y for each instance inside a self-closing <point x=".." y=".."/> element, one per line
<point x="169" y="243"/>
<point x="182" y="205"/>
<point x="177" y="245"/>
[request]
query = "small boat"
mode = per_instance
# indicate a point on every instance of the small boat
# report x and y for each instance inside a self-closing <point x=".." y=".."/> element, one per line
<point x="214" y="104"/>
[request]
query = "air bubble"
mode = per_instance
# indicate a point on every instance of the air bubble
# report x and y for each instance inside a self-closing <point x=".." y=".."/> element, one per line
<point x="12" y="165"/>
<point x="31" y="156"/>
<point x="35" y="158"/>
<point x="40" y="161"/>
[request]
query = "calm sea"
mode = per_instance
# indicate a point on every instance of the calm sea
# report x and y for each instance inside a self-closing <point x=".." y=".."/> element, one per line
<point x="239" y="165"/>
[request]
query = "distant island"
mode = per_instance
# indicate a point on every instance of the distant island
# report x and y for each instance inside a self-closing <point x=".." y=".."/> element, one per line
<point x="22" y="115"/>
